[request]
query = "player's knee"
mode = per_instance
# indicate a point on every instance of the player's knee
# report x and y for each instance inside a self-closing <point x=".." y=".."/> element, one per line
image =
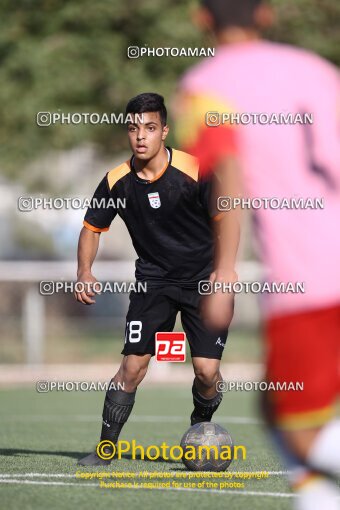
<point x="133" y="373"/>
<point x="208" y="376"/>
<point x="133" y="376"/>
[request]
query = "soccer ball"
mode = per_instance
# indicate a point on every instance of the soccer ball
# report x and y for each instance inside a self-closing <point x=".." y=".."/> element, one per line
<point x="202" y="435"/>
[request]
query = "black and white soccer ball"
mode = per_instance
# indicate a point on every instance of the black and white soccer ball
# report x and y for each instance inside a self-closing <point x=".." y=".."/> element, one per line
<point x="207" y="434"/>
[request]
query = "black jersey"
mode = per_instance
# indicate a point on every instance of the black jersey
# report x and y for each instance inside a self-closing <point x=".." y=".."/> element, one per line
<point x="169" y="219"/>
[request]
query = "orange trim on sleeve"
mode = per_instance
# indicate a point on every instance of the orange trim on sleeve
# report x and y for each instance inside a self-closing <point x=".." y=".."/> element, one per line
<point x="94" y="229"/>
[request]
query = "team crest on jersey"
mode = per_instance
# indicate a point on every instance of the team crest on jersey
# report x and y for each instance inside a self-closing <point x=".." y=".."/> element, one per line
<point x="154" y="200"/>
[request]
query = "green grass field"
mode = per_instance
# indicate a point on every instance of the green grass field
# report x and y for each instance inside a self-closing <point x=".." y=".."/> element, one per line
<point x="44" y="434"/>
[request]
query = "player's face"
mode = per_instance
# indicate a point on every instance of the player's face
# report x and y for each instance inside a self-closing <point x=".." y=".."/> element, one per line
<point x="147" y="138"/>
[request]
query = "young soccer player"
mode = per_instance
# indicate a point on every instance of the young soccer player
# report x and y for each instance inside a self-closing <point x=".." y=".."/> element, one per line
<point x="169" y="214"/>
<point x="251" y="75"/>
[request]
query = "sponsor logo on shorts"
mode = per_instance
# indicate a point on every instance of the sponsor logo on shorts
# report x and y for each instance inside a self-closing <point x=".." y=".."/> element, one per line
<point x="170" y="347"/>
<point x="219" y="342"/>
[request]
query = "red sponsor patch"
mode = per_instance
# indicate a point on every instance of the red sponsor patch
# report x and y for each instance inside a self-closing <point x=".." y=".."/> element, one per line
<point x="170" y="347"/>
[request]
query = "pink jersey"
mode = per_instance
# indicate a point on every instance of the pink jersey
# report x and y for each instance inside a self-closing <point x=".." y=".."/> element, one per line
<point x="283" y="161"/>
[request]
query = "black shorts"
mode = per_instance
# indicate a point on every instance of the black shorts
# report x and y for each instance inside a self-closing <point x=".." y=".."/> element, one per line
<point x="156" y="310"/>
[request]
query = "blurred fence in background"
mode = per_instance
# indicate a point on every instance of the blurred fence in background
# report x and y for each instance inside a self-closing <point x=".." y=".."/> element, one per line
<point x="37" y="329"/>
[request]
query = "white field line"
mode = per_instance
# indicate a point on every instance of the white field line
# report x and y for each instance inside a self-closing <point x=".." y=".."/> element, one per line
<point x="178" y="489"/>
<point x="238" y="420"/>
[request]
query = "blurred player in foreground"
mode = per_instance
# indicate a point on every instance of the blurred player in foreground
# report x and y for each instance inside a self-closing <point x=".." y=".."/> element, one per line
<point x="170" y="218"/>
<point x="302" y="331"/>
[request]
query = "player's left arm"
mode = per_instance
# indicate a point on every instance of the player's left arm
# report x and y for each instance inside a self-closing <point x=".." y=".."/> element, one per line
<point x="227" y="221"/>
<point x="218" y="307"/>
<point x="215" y="147"/>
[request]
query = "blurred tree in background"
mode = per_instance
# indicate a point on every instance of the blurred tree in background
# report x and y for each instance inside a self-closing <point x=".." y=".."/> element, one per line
<point x="72" y="56"/>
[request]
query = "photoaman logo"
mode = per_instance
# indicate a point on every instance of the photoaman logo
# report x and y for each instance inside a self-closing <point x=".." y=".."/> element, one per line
<point x="107" y="450"/>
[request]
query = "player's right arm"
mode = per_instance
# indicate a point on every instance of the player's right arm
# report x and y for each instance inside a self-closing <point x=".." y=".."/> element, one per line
<point x="97" y="219"/>
<point x="87" y="251"/>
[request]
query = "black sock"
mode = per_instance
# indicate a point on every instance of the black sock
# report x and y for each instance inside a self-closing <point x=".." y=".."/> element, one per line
<point x="117" y="408"/>
<point x="204" y="407"/>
